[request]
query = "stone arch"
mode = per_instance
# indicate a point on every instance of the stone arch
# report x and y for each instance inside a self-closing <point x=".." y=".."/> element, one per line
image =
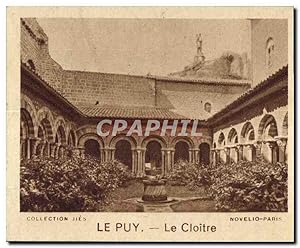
<point x="123" y="152"/>
<point x="42" y="137"/>
<point x="156" y="138"/>
<point x="187" y="140"/>
<point x="285" y="125"/>
<point x="221" y="140"/>
<point x="72" y="138"/>
<point x="232" y="137"/>
<point x="182" y="148"/>
<point x="27" y="105"/>
<point x="60" y="136"/>
<point x="247" y="133"/>
<point x="267" y="128"/>
<point x="117" y="138"/>
<point x="204" y="153"/>
<point x="27" y="124"/>
<point x="153" y="155"/>
<point x="92" y="145"/>
<point x="45" y="118"/>
<point x="267" y="132"/>
<point x="87" y="136"/>
<point x="59" y="121"/>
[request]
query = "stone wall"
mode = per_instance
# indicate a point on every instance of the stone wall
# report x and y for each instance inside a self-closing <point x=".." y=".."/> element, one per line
<point x="261" y="31"/>
<point x="86" y="88"/>
<point x="35" y="53"/>
<point x="188" y="99"/>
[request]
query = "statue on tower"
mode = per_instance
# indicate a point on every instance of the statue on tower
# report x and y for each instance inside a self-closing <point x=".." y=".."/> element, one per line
<point x="199" y="56"/>
<point x="199" y="43"/>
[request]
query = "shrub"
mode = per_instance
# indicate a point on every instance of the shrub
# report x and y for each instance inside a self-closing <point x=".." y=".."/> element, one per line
<point x="250" y="186"/>
<point x="192" y="175"/>
<point x="71" y="184"/>
<point x="242" y="186"/>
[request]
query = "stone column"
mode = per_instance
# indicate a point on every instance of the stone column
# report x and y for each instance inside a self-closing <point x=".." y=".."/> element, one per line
<point x="196" y="156"/>
<point x="22" y="145"/>
<point x="250" y="147"/>
<point x="172" y="158"/>
<point x="213" y="157"/>
<point x="112" y="153"/>
<point x="163" y="164"/>
<point x="271" y="145"/>
<point x="240" y="148"/>
<point x="56" y="150"/>
<point x="133" y="161"/>
<point x="106" y="154"/>
<point x="76" y="152"/>
<point x="257" y="147"/>
<point x="35" y="142"/>
<point x="218" y="154"/>
<point x="139" y="163"/>
<point x="52" y="150"/>
<point x="82" y="152"/>
<point x="282" y="142"/>
<point x="191" y="157"/>
<point x="227" y="153"/>
<point x="235" y="150"/>
<point x="168" y="164"/>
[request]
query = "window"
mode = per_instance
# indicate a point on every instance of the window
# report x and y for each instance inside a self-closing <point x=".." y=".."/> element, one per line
<point x="270" y="47"/>
<point x="207" y="107"/>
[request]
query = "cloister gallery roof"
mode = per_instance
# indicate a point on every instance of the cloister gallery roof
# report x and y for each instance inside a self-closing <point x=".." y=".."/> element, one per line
<point x="131" y="112"/>
<point x="279" y="75"/>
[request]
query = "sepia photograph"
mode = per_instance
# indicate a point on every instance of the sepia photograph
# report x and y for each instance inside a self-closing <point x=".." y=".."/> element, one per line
<point x="150" y="124"/>
<point x="153" y="115"/>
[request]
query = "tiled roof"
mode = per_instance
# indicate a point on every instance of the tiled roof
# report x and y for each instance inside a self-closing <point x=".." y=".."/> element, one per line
<point x="202" y="80"/>
<point x="130" y="112"/>
<point x="49" y="88"/>
<point x="280" y="74"/>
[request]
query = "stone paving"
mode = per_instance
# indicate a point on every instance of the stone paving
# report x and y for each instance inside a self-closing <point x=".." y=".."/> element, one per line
<point x="161" y="207"/>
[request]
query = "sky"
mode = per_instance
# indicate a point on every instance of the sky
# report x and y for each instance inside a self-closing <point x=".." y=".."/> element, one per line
<point x="140" y="46"/>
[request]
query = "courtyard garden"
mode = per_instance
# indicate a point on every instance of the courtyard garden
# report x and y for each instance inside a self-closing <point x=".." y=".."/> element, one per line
<point x="77" y="184"/>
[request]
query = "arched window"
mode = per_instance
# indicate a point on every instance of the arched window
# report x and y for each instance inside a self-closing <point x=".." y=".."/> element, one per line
<point x="207" y="107"/>
<point x="270" y="47"/>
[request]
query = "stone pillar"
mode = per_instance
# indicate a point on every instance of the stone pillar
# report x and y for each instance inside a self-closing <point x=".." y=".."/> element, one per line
<point x="249" y="152"/>
<point x="52" y="150"/>
<point x="235" y="152"/>
<point x="133" y="161"/>
<point x="106" y="154"/>
<point x="227" y="153"/>
<point x="112" y="153"/>
<point x="282" y="142"/>
<point x="271" y="154"/>
<point x="81" y="152"/>
<point x="163" y="164"/>
<point x="34" y="142"/>
<point x="257" y="147"/>
<point x="240" y="148"/>
<point x="213" y="157"/>
<point x="168" y="162"/>
<point x="191" y="157"/>
<point x="217" y="156"/>
<point x="139" y="172"/>
<point x="56" y="150"/>
<point x="196" y="156"/>
<point x="172" y="158"/>
<point x="22" y="145"/>
<point x="76" y="152"/>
